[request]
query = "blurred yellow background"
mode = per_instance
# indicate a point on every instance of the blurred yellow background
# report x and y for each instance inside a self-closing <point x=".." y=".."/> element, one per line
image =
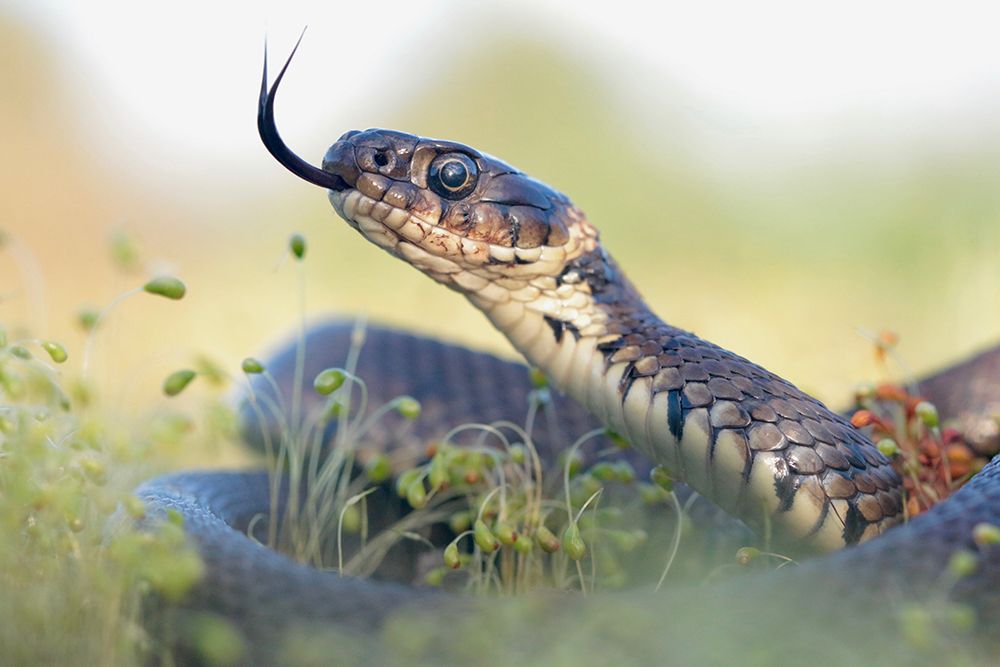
<point x="776" y="217"/>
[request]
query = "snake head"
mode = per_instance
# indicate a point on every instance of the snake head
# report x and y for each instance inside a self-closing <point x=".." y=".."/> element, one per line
<point x="447" y="208"/>
<point x="457" y="214"/>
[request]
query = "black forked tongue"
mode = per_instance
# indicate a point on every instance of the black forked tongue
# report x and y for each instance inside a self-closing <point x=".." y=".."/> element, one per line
<point x="272" y="140"/>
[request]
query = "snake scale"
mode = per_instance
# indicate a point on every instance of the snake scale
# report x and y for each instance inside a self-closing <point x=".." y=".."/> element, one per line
<point x="534" y="265"/>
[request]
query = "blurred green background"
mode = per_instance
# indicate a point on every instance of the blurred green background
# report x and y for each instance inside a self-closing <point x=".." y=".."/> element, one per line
<point x="778" y="236"/>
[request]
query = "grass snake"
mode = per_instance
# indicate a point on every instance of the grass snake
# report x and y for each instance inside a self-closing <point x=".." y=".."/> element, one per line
<point x="749" y="440"/>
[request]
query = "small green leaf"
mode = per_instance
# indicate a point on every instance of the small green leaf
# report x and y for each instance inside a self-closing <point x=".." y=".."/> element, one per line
<point x="297" y="244"/>
<point x="745" y="555"/>
<point x="572" y="543"/>
<point x="459" y="522"/>
<point x="524" y="547"/>
<point x="166" y="286"/>
<point x="484" y="537"/>
<point x="435" y="577"/>
<point x="505" y="533"/>
<point x="408" y="407"/>
<point x="88" y="318"/>
<point x="329" y="381"/>
<point x="438" y="474"/>
<point x="124" y="251"/>
<point x="661" y="476"/>
<point x="251" y="366"/>
<point x="379" y="468"/>
<point x="962" y="563"/>
<point x="177" y="381"/>
<point x="56" y="351"/>
<point x="416" y="495"/>
<point x="546" y="540"/>
<point x="350" y="519"/>
<point x="135" y="507"/>
<point x="451" y="556"/>
<point x="888" y="447"/>
<point x="406" y="479"/>
<point x="985" y="534"/>
<point x="217" y="641"/>
<point x="927" y="413"/>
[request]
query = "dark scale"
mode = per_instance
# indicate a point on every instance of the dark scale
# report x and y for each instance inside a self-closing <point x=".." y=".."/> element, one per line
<point x="559" y="327"/>
<point x="803" y="434"/>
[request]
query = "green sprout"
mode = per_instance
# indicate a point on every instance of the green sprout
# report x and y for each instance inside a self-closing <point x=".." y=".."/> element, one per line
<point x="56" y="351"/>
<point x="167" y="287"/>
<point x="297" y="245"/>
<point x="329" y="381"/>
<point x="177" y="381"/>
<point x="252" y="366"/>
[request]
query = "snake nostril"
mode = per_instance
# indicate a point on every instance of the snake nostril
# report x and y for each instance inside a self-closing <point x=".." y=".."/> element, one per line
<point x="381" y="158"/>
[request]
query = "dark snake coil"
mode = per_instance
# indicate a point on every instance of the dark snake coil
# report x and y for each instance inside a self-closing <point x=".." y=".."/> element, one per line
<point x="268" y="595"/>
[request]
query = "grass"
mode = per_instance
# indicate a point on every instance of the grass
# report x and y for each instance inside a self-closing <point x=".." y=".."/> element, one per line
<point x="72" y="566"/>
<point x="79" y="569"/>
<point x="519" y="524"/>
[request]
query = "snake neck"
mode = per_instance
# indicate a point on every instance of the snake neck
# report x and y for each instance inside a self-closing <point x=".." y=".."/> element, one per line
<point x="563" y="324"/>
<point x="580" y="329"/>
<point x="763" y="450"/>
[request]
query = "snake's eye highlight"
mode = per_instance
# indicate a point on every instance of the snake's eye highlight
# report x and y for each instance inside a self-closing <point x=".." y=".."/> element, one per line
<point x="453" y="175"/>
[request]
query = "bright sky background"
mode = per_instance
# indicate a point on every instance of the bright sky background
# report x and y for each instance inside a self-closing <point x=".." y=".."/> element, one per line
<point x="785" y="65"/>
<point x="819" y="95"/>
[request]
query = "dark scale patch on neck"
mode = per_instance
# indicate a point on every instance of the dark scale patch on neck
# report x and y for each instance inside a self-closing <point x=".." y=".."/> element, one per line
<point x="599" y="271"/>
<point x="675" y="415"/>
<point x="854" y="524"/>
<point x="785" y="485"/>
<point x="559" y="327"/>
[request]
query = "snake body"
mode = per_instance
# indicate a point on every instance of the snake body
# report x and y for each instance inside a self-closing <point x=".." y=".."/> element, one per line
<point x="534" y="265"/>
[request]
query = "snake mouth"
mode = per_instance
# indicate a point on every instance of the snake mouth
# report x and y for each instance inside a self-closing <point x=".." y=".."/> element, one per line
<point x="437" y="250"/>
<point x="268" y="131"/>
<point x="414" y="238"/>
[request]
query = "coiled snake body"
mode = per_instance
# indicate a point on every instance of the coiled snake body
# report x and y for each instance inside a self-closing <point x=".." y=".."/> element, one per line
<point x="535" y="266"/>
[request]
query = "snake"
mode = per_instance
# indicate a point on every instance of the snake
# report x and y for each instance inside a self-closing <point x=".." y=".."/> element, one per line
<point x="750" y="441"/>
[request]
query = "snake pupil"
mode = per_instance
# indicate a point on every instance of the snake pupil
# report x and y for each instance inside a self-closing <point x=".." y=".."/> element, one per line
<point x="453" y="175"/>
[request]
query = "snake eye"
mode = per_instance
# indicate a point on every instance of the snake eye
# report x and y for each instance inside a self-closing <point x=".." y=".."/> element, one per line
<point x="453" y="175"/>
